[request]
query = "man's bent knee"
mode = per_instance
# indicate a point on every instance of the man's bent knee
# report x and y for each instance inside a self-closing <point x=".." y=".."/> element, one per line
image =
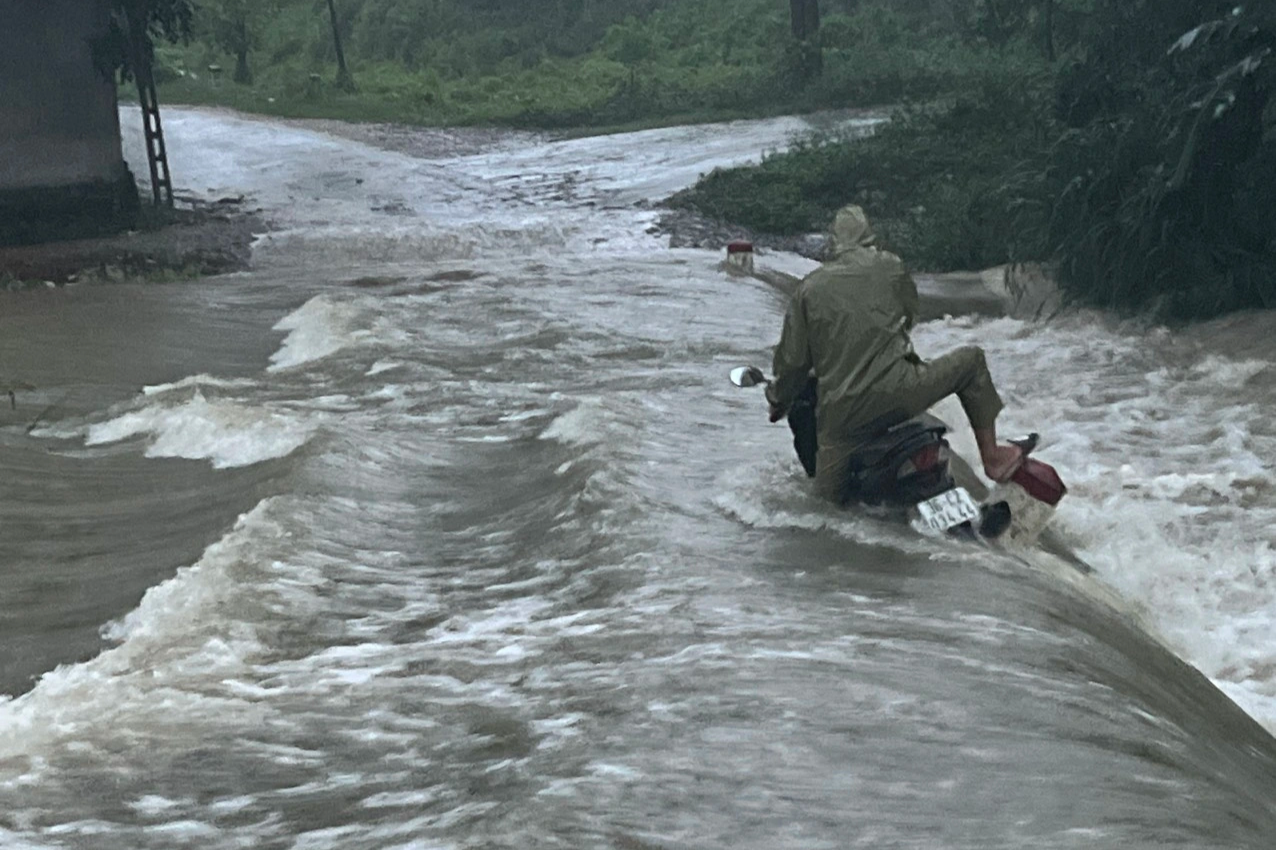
<point x="978" y="395"/>
<point x="972" y="358"/>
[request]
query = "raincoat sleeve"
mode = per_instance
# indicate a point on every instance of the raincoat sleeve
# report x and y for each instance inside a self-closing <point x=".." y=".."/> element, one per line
<point x="792" y="363"/>
<point x="906" y="292"/>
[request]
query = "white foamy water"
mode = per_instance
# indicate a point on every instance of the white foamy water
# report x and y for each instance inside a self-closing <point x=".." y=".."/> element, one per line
<point x="198" y="381"/>
<point x="316" y="329"/>
<point x="1166" y="449"/>
<point x="339" y="204"/>
<point x="1132" y="495"/>
<point x="654" y="163"/>
<point x="227" y="433"/>
<point x="172" y="649"/>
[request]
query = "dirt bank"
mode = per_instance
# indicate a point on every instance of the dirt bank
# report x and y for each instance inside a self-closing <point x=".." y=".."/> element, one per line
<point x="688" y="229"/>
<point x="421" y="142"/>
<point x="196" y="238"/>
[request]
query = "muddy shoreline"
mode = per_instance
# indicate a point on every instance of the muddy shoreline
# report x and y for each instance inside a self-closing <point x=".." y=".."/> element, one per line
<point x="419" y="142"/>
<point x="196" y="238"/>
<point x="687" y="229"/>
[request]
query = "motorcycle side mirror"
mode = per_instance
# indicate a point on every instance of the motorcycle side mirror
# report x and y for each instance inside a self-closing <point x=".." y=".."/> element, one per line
<point x="747" y="376"/>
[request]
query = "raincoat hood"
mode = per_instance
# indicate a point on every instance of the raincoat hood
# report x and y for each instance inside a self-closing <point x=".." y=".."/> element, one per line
<point x="851" y="231"/>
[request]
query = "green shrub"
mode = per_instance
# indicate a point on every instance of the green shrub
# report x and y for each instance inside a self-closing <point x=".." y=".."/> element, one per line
<point x="664" y="58"/>
<point x="1161" y="188"/>
<point x="932" y="179"/>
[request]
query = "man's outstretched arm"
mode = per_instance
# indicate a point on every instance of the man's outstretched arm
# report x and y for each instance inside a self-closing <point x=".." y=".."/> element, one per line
<point x="792" y="363"/>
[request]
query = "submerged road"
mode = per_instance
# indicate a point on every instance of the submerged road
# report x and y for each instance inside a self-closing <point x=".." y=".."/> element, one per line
<point x="442" y="528"/>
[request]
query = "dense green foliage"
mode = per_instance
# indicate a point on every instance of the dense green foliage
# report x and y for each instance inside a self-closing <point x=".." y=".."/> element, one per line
<point x="1160" y="185"/>
<point x="135" y="27"/>
<point x="932" y="179"/>
<point x="572" y="63"/>
<point x="236" y="27"/>
<point x="1141" y="163"/>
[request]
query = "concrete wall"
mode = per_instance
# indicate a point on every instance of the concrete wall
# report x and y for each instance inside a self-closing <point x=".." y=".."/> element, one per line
<point x="58" y="120"/>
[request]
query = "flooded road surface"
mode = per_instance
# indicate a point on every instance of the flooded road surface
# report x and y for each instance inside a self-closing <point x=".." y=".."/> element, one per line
<point x="443" y="528"/>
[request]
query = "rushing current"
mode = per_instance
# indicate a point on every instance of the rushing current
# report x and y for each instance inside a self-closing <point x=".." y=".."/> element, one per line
<point x="443" y="528"/>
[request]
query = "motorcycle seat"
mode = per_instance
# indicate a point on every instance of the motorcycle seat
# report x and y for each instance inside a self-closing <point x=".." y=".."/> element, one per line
<point x="898" y="438"/>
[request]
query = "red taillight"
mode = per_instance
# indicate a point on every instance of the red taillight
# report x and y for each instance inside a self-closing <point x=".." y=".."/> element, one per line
<point x="924" y="460"/>
<point x="927" y="458"/>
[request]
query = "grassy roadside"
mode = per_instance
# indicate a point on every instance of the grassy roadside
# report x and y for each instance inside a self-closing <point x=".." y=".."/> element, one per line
<point x="933" y="179"/>
<point x="1139" y="168"/>
<point x="670" y="61"/>
<point x="357" y="108"/>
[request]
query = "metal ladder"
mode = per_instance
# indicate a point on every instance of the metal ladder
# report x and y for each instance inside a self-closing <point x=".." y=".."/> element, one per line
<point x="156" y="153"/>
<point x="134" y="18"/>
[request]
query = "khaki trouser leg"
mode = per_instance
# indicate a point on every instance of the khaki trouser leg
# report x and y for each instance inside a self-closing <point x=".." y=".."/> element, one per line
<point x="963" y="372"/>
<point x="831" y="471"/>
<point x="913" y="389"/>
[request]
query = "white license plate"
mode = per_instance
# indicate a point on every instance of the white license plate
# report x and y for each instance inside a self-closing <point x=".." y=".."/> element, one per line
<point x="948" y="509"/>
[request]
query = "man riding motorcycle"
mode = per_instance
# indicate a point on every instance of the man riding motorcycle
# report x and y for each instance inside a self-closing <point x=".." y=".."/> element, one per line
<point x="847" y="326"/>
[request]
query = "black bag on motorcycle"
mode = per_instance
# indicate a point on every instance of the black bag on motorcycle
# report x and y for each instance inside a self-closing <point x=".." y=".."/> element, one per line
<point x="801" y="418"/>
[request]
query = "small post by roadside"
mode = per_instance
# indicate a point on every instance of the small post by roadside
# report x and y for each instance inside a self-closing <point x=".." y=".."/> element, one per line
<point x="740" y="262"/>
<point x="740" y="255"/>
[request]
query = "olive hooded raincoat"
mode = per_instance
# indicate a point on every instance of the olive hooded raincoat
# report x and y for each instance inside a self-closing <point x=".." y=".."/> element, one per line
<point x="848" y="325"/>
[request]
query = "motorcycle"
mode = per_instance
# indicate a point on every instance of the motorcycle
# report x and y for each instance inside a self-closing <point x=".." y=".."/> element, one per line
<point x="906" y="462"/>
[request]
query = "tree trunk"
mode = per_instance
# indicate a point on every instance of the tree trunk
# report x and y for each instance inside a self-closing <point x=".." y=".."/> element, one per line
<point x="344" y="80"/>
<point x="805" y="20"/>
<point x="243" y="75"/>
<point x="998" y="34"/>
<point x="804" y="17"/>
<point x="812" y="14"/>
<point x="1049" y="27"/>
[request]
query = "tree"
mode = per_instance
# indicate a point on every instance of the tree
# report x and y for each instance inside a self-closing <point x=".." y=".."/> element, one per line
<point x="1047" y="15"/>
<point x="135" y="27"/>
<point x="804" y="17"/>
<point x="345" y="82"/>
<point x="1160" y="190"/>
<point x="235" y="27"/>
<point x="630" y="44"/>
<point x="1001" y="21"/>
